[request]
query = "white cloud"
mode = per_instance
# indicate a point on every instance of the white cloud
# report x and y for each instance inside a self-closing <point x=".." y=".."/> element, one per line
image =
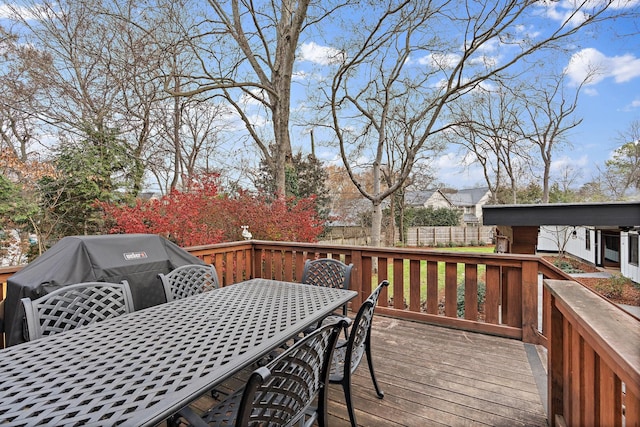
<point x="597" y="67"/>
<point x="257" y="120"/>
<point x="10" y="10"/>
<point x="485" y="60"/>
<point x="300" y="76"/>
<point x="528" y="32"/>
<point x="590" y="91"/>
<point x="624" y="4"/>
<point x="247" y="99"/>
<point x="5" y="12"/>
<point x="565" y="11"/>
<point x="440" y="60"/>
<point x="460" y="177"/>
<point x="490" y="46"/>
<point x="633" y="105"/>
<point x="574" y="163"/>
<point x="323" y="55"/>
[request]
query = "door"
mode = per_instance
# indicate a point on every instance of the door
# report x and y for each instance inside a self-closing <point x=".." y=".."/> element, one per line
<point x="611" y="248"/>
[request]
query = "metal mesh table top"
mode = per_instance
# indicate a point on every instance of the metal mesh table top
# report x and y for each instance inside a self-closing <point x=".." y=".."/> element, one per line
<point x="140" y="368"/>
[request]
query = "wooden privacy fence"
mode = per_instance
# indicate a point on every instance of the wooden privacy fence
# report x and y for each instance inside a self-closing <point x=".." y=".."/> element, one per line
<point x="416" y="236"/>
<point x="441" y="236"/>
<point x="594" y="359"/>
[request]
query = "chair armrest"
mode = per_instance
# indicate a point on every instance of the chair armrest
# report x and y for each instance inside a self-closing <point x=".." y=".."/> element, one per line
<point x="192" y="417"/>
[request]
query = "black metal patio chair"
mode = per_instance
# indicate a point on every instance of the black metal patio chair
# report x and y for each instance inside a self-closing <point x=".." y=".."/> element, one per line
<point x="330" y="273"/>
<point x="188" y="280"/>
<point x="348" y="354"/>
<point x="283" y="392"/>
<point x="74" y="306"/>
<point x="327" y="272"/>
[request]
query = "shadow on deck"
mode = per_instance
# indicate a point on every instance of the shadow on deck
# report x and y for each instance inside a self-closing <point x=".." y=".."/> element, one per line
<point x="434" y="376"/>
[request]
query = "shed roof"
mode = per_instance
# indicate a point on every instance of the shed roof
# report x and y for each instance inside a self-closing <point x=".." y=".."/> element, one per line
<point x="619" y="214"/>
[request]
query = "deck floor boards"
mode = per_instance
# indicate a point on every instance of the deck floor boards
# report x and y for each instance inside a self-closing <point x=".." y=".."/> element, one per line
<point x="438" y="376"/>
<point x="434" y="376"/>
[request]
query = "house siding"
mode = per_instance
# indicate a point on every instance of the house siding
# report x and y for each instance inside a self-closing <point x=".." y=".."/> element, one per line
<point x="632" y="271"/>
<point x="548" y="241"/>
<point x="437" y="201"/>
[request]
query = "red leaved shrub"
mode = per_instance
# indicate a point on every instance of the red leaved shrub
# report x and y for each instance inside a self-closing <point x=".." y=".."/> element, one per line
<point x="204" y="215"/>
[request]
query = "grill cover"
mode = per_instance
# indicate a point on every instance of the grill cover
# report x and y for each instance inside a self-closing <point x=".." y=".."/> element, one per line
<point x="137" y="258"/>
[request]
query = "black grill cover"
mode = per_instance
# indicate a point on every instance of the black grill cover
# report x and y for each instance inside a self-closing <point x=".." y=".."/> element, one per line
<point x="137" y="258"/>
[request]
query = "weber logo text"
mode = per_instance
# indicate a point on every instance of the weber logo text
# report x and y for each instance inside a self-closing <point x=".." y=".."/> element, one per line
<point x="130" y="256"/>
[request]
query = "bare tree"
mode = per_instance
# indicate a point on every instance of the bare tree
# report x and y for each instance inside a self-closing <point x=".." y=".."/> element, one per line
<point x="18" y="136"/>
<point x="560" y="236"/>
<point x="247" y="52"/>
<point x="380" y="110"/>
<point x="80" y="86"/>
<point x="488" y="127"/>
<point x="135" y="55"/>
<point x="449" y="42"/>
<point x="568" y="175"/>
<point x="550" y="118"/>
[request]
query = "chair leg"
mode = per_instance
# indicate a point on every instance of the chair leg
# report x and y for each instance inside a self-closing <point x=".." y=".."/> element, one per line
<point x="173" y="421"/>
<point x="379" y="392"/>
<point x="346" y="386"/>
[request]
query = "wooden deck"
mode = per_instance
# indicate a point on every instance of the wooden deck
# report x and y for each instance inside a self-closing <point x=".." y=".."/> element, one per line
<point x="434" y="376"/>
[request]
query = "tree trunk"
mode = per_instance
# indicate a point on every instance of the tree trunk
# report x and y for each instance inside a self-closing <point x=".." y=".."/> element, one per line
<point x="376" y="224"/>
<point x="545" y="183"/>
<point x="177" y="159"/>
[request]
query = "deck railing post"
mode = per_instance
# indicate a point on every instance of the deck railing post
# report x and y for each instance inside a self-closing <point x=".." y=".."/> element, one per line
<point x="555" y="364"/>
<point x="356" y="278"/>
<point x="256" y="256"/>
<point x="530" y="325"/>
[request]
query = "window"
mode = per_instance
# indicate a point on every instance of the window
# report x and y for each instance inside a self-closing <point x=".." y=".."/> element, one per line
<point x="633" y="248"/>
<point x="587" y="239"/>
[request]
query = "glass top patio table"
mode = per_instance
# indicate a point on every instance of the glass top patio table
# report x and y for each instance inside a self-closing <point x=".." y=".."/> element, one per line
<point x="140" y="368"/>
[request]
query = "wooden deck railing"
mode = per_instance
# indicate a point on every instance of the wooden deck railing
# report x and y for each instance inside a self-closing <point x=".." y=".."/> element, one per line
<point x="594" y="359"/>
<point x="433" y="286"/>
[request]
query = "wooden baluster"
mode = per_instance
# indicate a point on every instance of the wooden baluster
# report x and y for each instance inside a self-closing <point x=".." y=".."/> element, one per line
<point x="414" y="285"/>
<point x="432" y="287"/>
<point x="398" y="283"/>
<point x="451" y="289"/>
<point x="471" y="292"/>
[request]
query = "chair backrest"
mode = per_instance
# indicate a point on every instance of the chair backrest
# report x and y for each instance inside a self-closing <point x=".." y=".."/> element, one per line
<point x="187" y="280"/>
<point x="76" y="305"/>
<point x="281" y="392"/>
<point x="330" y="273"/>
<point x="361" y="329"/>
